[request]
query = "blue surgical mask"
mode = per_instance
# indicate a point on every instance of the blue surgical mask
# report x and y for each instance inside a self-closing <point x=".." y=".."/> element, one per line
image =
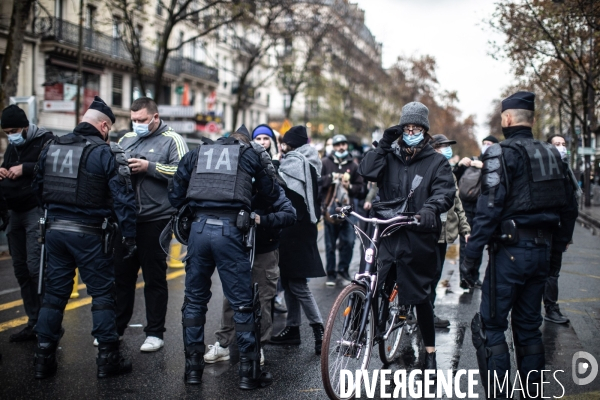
<point x="142" y="129"/>
<point x="413" y="140"/>
<point x="447" y="152"/>
<point x="16" y="139"/>
<point x="341" y="155"/>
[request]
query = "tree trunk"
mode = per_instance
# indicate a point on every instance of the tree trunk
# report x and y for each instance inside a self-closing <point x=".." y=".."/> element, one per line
<point x="14" y="50"/>
<point x="288" y="109"/>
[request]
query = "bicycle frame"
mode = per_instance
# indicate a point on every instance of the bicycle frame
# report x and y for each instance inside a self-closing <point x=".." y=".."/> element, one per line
<point x="368" y="278"/>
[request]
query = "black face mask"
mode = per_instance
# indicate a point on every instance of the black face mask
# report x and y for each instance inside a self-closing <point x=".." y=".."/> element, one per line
<point x="511" y="130"/>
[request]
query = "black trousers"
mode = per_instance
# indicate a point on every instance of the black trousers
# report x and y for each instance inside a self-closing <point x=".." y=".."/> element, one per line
<point x="551" y="291"/>
<point x="153" y="261"/>
<point x="463" y="244"/>
<point x="441" y="251"/>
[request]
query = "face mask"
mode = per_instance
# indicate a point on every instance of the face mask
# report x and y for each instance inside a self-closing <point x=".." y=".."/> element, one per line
<point x="142" y="129"/>
<point x="16" y="139"/>
<point x="447" y="152"/>
<point x="341" y="155"/>
<point x="484" y="148"/>
<point x="413" y="140"/>
<point x="562" y="151"/>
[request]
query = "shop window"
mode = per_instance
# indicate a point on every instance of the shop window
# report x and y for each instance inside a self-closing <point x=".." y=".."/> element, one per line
<point x="117" y="90"/>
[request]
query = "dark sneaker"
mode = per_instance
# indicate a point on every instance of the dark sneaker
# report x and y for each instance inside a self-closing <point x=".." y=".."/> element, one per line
<point x="289" y="335"/>
<point x="345" y="278"/>
<point x="23" y="336"/>
<point x="553" y="314"/>
<point x="440" y="323"/>
<point x="330" y="281"/>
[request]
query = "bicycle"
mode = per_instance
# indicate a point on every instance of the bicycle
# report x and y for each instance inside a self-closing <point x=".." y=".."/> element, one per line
<point x="349" y="334"/>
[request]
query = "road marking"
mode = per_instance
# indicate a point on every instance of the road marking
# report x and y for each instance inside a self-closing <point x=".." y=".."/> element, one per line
<point x="7" y="291"/>
<point x="586" y="300"/>
<point x="580" y="274"/>
<point x="17" y="303"/>
<point x="73" y="304"/>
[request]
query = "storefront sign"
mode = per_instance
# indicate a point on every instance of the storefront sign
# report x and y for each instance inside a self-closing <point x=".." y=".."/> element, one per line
<point x="176" y="111"/>
<point x="59" y="105"/>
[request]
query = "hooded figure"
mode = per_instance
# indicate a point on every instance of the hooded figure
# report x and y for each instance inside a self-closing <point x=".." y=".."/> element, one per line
<point x="26" y="141"/>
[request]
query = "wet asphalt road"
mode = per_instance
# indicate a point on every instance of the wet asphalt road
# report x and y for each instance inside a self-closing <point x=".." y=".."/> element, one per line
<point x="296" y="369"/>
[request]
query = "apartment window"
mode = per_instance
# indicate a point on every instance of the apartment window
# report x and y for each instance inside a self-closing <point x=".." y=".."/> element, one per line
<point x="117" y="90"/>
<point x="90" y="13"/>
<point x="159" y="9"/>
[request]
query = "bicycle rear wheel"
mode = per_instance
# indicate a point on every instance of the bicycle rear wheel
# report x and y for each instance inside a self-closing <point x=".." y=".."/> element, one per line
<point x="394" y="328"/>
<point x="342" y="349"/>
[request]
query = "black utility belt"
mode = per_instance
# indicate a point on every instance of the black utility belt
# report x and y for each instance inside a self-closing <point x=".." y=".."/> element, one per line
<point x="71" y="226"/>
<point x="511" y="234"/>
<point x="242" y="219"/>
<point x="534" y="234"/>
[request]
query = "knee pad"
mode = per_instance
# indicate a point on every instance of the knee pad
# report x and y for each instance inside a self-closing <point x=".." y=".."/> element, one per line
<point x="54" y="302"/>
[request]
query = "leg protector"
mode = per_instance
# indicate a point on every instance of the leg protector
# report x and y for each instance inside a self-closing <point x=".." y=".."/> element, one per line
<point x="195" y="335"/>
<point x="483" y="352"/>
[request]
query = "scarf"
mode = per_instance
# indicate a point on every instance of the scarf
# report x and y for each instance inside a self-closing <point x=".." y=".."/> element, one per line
<point x="295" y="171"/>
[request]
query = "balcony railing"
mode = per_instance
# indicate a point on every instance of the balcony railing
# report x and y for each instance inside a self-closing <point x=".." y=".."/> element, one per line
<point x="68" y="33"/>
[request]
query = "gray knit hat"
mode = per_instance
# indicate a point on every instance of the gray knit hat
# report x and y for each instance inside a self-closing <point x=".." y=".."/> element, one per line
<point x="415" y="113"/>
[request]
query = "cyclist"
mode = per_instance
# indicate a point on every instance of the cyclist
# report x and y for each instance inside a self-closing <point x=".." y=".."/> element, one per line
<point x="403" y="153"/>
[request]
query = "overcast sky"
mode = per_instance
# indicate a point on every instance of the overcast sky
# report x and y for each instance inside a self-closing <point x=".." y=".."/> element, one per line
<point x="454" y="33"/>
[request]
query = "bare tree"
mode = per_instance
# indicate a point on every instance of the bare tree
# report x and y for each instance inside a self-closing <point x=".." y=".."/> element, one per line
<point x="14" y="49"/>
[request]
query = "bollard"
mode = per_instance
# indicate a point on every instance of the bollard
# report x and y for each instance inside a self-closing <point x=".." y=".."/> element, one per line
<point x="75" y="293"/>
<point x="177" y="252"/>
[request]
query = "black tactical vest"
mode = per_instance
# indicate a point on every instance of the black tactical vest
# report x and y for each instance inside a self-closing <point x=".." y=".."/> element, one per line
<point x="218" y="176"/>
<point x="66" y="180"/>
<point x="541" y="185"/>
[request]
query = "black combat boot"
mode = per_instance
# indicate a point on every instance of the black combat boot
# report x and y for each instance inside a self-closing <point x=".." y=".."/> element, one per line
<point x="289" y="335"/>
<point x="45" y="360"/>
<point x="110" y="361"/>
<point x="194" y="367"/>
<point x="318" y="331"/>
<point x="430" y="364"/>
<point x="247" y="382"/>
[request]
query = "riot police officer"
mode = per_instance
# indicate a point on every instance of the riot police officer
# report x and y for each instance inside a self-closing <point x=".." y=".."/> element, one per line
<point x="81" y="180"/>
<point x="525" y="197"/>
<point x="215" y="180"/>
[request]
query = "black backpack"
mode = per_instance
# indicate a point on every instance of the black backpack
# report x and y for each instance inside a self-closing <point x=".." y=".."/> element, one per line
<point x="469" y="185"/>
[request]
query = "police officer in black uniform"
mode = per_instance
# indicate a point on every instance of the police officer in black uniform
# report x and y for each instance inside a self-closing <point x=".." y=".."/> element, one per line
<point x="81" y="181"/>
<point x="526" y="213"/>
<point x="215" y="180"/>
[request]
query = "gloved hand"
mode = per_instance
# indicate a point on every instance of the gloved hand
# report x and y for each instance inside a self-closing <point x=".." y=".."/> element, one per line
<point x="555" y="263"/>
<point x="5" y="219"/>
<point x="428" y="218"/>
<point x="390" y="135"/>
<point x="466" y="272"/>
<point x="130" y="247"/>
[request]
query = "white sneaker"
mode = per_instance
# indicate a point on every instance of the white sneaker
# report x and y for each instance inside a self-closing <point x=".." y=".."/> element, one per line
<point x="216" y="353"/>
<point x="152" y="343"/>
<point x="262" y="357"/>
<point x="96" y="341"/>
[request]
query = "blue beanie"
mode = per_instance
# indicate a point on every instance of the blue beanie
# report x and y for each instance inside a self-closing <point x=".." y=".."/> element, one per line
<point x="263" y="130"/>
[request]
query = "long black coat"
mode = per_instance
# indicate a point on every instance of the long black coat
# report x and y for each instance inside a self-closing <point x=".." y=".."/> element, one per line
<point x="298" y="253"/>
<point x="411" y="249"/>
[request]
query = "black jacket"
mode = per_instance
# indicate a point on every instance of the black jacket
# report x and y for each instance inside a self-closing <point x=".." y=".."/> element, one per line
<point x="272" y="220"/>
<point x="18" y="193"/>
<point x="333" y="164"/>
<point x="488" y="219"/>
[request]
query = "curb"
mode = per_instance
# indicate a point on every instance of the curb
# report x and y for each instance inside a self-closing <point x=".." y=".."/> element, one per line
<point x="589" y="222"/>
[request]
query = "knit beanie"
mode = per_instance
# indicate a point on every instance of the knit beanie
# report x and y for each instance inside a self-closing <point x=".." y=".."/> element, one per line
<point x="490" y="139"/>
<point x="415" y="113"/>
<point x="296" y="136"/>
<point x="263" y="130"/>
<point x="13" y="117"/>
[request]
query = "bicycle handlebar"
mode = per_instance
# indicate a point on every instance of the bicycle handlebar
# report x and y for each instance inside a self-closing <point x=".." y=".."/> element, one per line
<point x="412" y="220"/>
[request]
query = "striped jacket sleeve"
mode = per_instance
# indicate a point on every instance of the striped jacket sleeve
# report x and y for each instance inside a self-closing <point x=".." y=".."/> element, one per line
<point x="175" y="148"/>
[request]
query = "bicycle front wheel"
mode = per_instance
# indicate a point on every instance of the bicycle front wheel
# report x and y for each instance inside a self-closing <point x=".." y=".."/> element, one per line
<point x="343" y="349"/>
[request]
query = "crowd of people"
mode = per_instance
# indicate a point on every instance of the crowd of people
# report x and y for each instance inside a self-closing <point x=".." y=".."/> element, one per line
<point x="106" y="206"/>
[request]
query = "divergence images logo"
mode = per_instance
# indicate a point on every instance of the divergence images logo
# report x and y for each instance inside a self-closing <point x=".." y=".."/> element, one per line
<point x="580" y="368"/>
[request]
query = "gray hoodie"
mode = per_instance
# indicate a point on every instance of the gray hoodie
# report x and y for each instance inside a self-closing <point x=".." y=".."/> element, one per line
<point x="163" y="149"/>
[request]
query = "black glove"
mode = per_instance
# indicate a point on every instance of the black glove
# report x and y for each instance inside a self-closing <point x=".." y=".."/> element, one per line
<point x="5" y="219"/>
<point x="555" y="263"/>
<point x="130" y="247"/>
<point x="466" y="272"/>
<point x="428" y="218"/>
<point x="390" y="135"/>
